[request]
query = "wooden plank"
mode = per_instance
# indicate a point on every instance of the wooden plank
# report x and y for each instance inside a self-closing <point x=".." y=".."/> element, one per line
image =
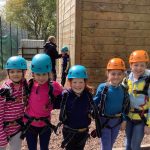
<point x="88" y="48"/>
<point x="135" y="41"/>
<point x="110" y="7"/>
<point x="69" y="26"/>
<point x="115" y="32"/>
<point x="133" y="2"/>
<point x="68" y="40"/>
<point x="69" y="14"/>
<point x="102" y="60"/>
<point x="93" y="63"/>
<point x="103" y="48"/>
<point x="78" y="32"/>
<point x="90" y="56"/>
<point x="115" y="40"/>
<point x="115" y="16"/>
<point x="102" y="40"/>
<point x="115" y="24"/>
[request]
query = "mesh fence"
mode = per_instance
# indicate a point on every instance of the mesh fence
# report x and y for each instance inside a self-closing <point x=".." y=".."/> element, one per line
<point x="10" y="36"/>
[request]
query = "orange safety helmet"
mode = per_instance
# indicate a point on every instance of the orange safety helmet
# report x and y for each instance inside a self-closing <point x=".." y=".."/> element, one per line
<point x="116" y="64"/>
<point x="139" y="56"/>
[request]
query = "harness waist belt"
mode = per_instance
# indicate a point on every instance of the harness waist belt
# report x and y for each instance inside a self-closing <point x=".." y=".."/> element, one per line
<point x="76" y="130"/>
<point x="14" y="122"/>
<point x="139" y="111"/>
<point x="112" y="116"/>
<point x="36" y="119"/>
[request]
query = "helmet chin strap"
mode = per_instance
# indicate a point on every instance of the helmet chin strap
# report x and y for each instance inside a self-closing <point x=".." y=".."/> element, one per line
<point x="78" y="93"/>
<point x="17" y="82"/>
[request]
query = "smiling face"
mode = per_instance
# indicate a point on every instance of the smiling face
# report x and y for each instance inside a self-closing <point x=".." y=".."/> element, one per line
<point x="115" y="77"/>
<point x="41" y="78"/>
<point x="138" y="69"/>
<point x="15" y="75"/>
<point x="77" y="85"/>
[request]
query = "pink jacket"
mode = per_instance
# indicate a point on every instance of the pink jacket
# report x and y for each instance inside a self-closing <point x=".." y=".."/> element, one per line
<point x="39" y="103"/>
<point x="10" y="111"/>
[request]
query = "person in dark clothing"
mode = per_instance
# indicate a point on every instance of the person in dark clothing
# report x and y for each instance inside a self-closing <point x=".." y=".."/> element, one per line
<point x="75" y="110"/>
<point x="65" y="64"/>
<point x="50" y="49"/>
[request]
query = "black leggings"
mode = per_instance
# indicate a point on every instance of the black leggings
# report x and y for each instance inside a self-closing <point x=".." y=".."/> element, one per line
<point x="75" y="141"/>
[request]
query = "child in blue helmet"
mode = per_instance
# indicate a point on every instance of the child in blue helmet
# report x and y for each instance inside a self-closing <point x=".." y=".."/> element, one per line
<point x="113" y="103"/>
<point x="65" y="64"/>
<point x="75" y="109"/>
<point x="13" y="95"/>
<point x="43" y="97"/>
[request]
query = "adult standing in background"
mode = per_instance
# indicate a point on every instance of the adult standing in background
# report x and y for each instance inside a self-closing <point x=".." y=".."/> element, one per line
<point x="50" y="48"/>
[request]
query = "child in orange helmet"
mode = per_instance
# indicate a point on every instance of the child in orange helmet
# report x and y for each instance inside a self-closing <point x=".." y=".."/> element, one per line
<point x="111" y="99"/>
<point x="139" y="92"/>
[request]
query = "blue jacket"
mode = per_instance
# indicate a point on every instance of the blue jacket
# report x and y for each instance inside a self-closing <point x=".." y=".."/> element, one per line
<point x="114" y="99"/>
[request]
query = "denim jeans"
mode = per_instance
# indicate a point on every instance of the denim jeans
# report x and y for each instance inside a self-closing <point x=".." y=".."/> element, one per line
<point x="109" y="135"/>
<point x="134" y="135"/>
<point x="32" y="137"/>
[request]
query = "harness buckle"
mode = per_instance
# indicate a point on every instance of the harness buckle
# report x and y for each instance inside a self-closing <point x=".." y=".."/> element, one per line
<point x="134" y="91"/>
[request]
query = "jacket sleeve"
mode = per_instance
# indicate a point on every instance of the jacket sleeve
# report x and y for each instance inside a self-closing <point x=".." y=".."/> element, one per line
<point x="57" y="91"/>
<point x="148" y="103"/>
<point x="51" y="50"/>
<point x="56" y="54"/>
<point x="3" y="136"/>
<point x="97" y="97"/>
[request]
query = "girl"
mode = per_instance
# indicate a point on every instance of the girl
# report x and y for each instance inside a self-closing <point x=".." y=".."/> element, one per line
<point x="111" y="99"/>
<point x="42" y="99"/>
<point x="75" y="109"/>
<point x="12" y="96"/>
<point x="65" y="64"/>
<point x="139" y="92"/>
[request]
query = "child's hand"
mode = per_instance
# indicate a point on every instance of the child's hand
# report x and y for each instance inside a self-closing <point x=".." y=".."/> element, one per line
<point x="147" y="130"/>
<point x="123" y="125"/>
<point x="18" y="100"/>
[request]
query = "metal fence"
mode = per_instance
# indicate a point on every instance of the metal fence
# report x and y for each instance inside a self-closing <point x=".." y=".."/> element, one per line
<point x="10" y="36"/>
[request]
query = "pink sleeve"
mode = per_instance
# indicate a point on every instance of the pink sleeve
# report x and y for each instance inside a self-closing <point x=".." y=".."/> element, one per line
<point x="57" y="88"/>
<point x="3" y="137"/>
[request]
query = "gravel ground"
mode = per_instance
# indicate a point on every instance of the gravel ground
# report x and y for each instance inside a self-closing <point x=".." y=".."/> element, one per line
<point x="92" y="144"/>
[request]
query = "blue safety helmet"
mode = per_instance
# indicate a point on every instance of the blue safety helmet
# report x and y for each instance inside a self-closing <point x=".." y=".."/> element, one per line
<point x="16" y="62"/>
<point x="41" y="63"/>
<point x="77" y="71"/>
<point x="65" y="49"/>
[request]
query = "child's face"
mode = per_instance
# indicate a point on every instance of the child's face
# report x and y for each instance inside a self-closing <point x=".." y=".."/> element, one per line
<point x="63" y="53"/>
<point x="15" y="75"/>
<point x="41" y="78"/>
<point x="138" y="68"/>
<point x="78" y="85"/>
<point x="115" y="77"/>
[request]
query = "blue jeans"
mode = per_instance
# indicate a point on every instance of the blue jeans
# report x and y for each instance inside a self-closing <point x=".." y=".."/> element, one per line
<point x="109" y="135"/>
<point x="134" y="135"/>
<point x="32" y="137"/>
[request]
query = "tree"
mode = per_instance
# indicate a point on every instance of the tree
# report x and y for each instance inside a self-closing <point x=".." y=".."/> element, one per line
<point x="38" y="17"/>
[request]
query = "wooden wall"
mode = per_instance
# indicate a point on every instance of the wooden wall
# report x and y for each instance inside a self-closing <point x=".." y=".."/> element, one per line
<point x="66" y="25"/>
<point x="106" y="29"/>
